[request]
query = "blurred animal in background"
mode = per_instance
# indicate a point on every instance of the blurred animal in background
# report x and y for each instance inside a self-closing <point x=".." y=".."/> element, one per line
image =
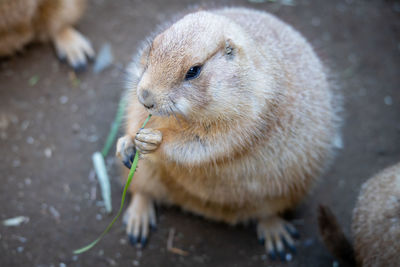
<point x="375" y="225"/>
<point x="244" y="122"/>
<point x="25" y="21"/>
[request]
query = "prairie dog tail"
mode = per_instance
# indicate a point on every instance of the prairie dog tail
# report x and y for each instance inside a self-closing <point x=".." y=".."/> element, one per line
<point x="334" y="238"/>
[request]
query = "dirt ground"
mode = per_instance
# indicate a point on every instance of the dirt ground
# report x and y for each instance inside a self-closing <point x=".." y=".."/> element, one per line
<point x="51" y="123"/>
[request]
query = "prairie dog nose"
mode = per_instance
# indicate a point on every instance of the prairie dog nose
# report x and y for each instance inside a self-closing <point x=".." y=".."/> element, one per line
<point x="146" y="98"/>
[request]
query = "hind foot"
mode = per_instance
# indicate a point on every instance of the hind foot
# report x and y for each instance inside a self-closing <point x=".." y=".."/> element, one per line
<point x="277" y="234"/>
<point x="73" y="47"/>
<point x="138" y="218"/>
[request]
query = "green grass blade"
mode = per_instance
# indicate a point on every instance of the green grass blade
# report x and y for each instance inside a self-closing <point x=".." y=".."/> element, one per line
<point x="114" y="127"/>
<point x="128" y="182"/>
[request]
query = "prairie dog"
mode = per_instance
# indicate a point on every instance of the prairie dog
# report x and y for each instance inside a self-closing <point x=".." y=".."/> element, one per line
<point x="243" y="123"/>
<point x="375" y="223"/>
<point x="24" y="21"/>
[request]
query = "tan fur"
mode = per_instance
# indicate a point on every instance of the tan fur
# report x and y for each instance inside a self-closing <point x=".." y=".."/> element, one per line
<point x="375" y="223"/>
<point x="250" y="136"/>
<point x="25" y="21"/>
<point x="376" y="220"/>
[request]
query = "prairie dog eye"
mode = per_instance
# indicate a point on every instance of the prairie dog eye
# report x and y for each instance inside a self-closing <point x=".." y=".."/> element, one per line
<point x="193" y="73"/>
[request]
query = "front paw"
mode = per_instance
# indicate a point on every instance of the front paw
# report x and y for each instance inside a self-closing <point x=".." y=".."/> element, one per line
<point x="126" y="150"/>
<point x="148" y="140"/>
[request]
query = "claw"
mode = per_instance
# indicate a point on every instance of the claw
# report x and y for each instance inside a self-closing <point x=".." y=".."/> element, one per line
<point x="291" y="247"/>
<point x="292" y="231"/>
<point x="127" y="163"/>
<point x="80" y="67"/>
<point x="133" y="239"/>
<point x="282" y="255"/>
<point x="153" y="227"/>
<point x="272" y="255"/>
<point x="128" y="158"/>
<point x="143" y="241"/>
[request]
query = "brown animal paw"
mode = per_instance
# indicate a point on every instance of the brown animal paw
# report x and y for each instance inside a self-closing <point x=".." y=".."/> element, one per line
<point x="72" y="46"/>
<point x="139" y="216"/>
<point x="148" y="140"/>
<point x="126" y="150"/>
<point x="277" y="234"/>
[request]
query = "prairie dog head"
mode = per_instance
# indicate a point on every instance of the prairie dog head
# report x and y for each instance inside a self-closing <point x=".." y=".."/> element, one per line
<point x="199" y="68"/>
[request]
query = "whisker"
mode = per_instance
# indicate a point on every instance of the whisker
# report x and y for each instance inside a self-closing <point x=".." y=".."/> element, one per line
<point x="174" y="114"/>
<point x="176" y="107"/>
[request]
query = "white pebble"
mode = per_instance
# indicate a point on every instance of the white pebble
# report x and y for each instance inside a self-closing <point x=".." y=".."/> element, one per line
<point x="93" y="138"/>
<point x="388" y="100"/>
<point x="16" y="163"/>
<point x="63" y="99"/>
<point x="48" y="152"/>
<point x="25" y="125"/>
<point x="54" y="212"/>
<point x="30" y="140"/>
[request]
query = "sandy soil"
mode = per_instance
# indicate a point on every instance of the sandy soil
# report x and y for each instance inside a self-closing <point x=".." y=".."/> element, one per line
<point x="51" y="123"/>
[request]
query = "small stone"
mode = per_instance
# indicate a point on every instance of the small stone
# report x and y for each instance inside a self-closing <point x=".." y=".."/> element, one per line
<point x="135" y="263"/>
<point x="63" y="99"/>
<point x="111" y="262"/>
<point x="75" y="128"/>
<point x="388" y="100"/>
<point x="99" y="217"/>
<point x="54" y="212"/>
<point x="93" y="138"/>
<point x="25" y="125"/>
<point x="20" y="249"/>
<point x="48" y="152"/>
<point x="289" y="257"/>
<point x="16" y="163"/>
<point x="288" y="2"/>
<point x="30" y="140"/>
<point x="62" y="264"/>
<point x="21" y="239"/>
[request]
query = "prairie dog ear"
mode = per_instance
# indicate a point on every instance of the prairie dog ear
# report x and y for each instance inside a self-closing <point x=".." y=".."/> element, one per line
<point x="229" y="47"/>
